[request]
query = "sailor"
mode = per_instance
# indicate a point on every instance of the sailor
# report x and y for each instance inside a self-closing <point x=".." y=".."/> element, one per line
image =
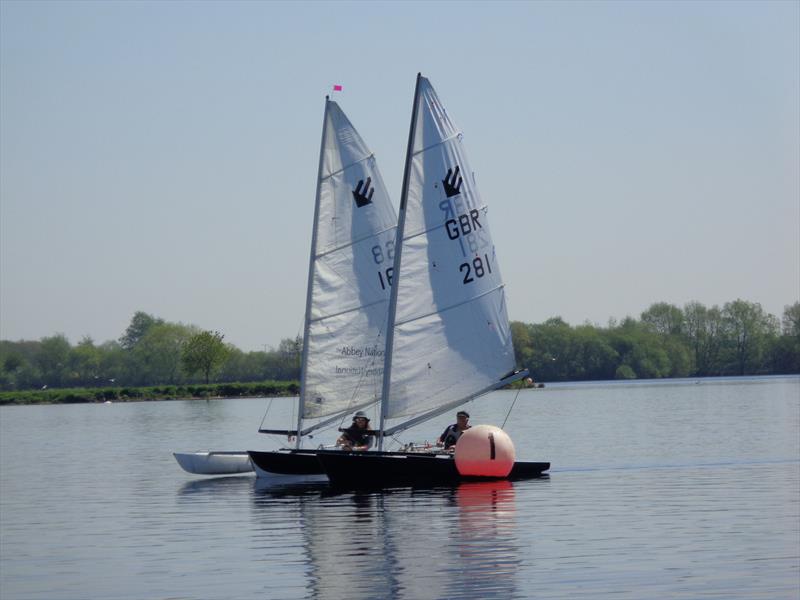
<point x="356" y="437"/>
<point x="450" y="436"/>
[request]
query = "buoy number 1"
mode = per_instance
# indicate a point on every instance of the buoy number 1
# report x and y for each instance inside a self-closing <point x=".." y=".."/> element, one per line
<point x="479" y="267"/>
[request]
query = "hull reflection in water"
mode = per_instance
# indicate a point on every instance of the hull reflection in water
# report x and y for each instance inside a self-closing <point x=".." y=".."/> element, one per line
<point x="451" y="542"/>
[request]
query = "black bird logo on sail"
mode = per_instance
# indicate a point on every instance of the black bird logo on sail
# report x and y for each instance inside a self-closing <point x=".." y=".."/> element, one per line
<point x="452" y="182"/>
<point x="363" y="197"/>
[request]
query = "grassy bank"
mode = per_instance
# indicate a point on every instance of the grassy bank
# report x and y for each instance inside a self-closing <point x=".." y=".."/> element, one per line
<point x="158" y="392"/>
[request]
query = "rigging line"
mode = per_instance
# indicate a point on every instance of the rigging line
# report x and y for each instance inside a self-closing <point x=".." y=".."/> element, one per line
<point x="444" y="141"/>
<point x="511" y="408"/>
<point x="343" y="169"/>
<point x="354" y="242"/>
<point x="269" y="406"/>
<point x="424" y="231"/>
<point x="437" y="312"/>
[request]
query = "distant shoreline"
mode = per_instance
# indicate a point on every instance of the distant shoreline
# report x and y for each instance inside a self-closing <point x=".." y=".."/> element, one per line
<point x="288" y="389"/>
<point x="262" y="389"/>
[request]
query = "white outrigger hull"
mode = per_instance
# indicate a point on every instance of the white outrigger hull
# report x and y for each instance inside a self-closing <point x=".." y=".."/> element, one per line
<point x="214" y="463"/>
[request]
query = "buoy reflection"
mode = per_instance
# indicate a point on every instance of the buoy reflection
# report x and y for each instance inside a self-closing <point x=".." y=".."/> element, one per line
<point x="486" y="538"/>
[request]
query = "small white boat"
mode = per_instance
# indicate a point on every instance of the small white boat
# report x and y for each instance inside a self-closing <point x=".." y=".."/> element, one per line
<point x="214" y="463"/>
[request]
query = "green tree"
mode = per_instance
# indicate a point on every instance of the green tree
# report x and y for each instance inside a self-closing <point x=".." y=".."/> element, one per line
<point x="550" y="358"/>
<point x="53" y="359"/>
<point x="12" y="363"/>
<point x="290" y="354"/>
<point x="785" y="351"/>
<point x="704" y="330"/>
<point x="591" y="356"/>
<point x="84" y="363"/>
<point x="523" y="347"/>
<point x="748" y="332"/>
<point x="641" y="350"/>
<point x="679" y="355"/>
<point x="204" y="352"/>
<point x="19" y="364"/>
<point x="624" y="372"/>
<point x="116" y="366"/>
<point x="664" y="319"/>
<point x="158" y="352"/>
<point x="237" y="367"/>
<point x="791" y="320"/>
<point x="140" y="324"/>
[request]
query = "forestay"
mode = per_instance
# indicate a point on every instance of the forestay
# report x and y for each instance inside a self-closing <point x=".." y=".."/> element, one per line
<point x="451" y="335"/>
<point x="349" y="275"/>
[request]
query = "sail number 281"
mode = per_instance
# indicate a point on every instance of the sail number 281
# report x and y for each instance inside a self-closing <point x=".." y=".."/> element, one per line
<point x="479" y="267"/>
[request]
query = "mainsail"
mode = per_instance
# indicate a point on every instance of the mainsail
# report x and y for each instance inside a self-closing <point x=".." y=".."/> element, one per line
<point x="450" y="337"/>
<point x="349" y="275"/>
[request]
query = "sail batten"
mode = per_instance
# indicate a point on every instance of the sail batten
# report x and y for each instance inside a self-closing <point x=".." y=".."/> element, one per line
<point x="446" y="308"/>
<point x="344" y="168"/>
<point x="421" y="150"/>
<point x="322" y="318"/>
<point x="354" y="242"/>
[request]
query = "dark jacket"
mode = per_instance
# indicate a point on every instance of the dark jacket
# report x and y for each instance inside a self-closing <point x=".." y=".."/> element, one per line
<point x="450" y="435"/>
<point x="357" y="436"/>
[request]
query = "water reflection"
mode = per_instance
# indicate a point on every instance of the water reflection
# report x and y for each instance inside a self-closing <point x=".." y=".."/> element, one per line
<point x="485" y="539"/>
<point x="450" y="542"/>
<point x="215" y="485"/>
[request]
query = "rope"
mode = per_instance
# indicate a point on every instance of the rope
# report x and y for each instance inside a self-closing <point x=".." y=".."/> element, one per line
<point x="511" y="408"/>
<point x="269" y="405"/>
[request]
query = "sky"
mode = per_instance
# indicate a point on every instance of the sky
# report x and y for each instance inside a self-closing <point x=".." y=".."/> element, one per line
<point x="162" y="156"/>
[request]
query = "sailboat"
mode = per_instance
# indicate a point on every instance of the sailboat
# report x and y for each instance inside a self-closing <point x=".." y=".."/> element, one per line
<point x="347" y="298"/>
<point x="448" y="339"/>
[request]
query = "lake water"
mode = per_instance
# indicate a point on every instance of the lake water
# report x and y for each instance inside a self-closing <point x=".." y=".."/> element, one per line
<point x="688" y="489"/>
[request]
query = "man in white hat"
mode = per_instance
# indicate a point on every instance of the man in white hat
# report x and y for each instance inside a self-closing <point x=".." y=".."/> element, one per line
<point x="355" y="437"/>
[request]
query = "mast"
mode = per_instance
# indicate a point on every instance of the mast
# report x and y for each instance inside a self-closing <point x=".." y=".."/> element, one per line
<point x="398" y="251"/>
<point x="313" y="254"/>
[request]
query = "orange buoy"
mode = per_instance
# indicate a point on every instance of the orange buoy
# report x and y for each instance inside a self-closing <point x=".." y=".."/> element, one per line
<point x="484" y="451"/>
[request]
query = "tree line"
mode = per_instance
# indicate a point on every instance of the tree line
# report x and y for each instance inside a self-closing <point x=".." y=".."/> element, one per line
<point x="150" y="352"/>
<point x="666" y="341"/>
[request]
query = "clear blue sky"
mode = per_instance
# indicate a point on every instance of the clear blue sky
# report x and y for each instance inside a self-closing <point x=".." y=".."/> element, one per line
<point x="162" y="156"/>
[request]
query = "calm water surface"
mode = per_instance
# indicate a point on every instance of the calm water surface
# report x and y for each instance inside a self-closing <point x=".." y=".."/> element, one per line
<point x="685" y="490"/>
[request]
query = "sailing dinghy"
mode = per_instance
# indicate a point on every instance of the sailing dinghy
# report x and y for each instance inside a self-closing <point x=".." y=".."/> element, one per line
<point x="347" y="298"/>
<point x="448" y="338"/>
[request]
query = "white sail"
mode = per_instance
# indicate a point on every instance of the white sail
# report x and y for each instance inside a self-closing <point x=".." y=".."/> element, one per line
<point x="451" y="336"/>
<point x="349" y="275"/>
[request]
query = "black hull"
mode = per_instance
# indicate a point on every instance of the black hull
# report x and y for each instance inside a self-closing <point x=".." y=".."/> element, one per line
<point x="287" y="462"/>
<point x="385" y="469"/>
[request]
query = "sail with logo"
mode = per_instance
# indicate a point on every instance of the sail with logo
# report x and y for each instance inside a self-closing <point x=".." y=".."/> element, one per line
<point x="349" y="280"/>
<point x="451" y="335"/>
<point x="449" y="339"/>
<point x="348" y="292"/>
